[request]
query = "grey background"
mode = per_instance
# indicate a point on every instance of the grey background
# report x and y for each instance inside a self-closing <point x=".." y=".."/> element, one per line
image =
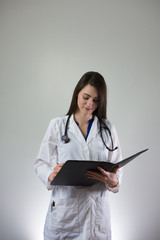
<point x="46" y="46"/>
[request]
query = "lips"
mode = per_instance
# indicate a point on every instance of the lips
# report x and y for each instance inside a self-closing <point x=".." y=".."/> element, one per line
<point x="89" y="109"/>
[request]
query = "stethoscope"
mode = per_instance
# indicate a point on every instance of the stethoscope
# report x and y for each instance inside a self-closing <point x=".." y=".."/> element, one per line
<point x="66" y="139"/>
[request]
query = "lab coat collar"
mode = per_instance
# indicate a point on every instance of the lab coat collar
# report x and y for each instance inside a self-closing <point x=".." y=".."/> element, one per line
<point x="72" y="126"/>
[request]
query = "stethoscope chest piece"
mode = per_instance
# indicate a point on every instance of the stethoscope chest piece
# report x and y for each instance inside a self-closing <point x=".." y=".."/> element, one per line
<point x="65" y="139"/>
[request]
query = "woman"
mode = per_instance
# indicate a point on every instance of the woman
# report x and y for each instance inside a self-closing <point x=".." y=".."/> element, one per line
<point x="78" y="212"/>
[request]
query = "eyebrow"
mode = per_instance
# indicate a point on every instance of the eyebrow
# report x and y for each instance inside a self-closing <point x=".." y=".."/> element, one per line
<point x="89" y="95"/>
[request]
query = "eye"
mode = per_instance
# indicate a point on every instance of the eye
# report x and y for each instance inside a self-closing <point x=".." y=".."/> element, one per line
<point x="85" y="98"/>
<point x="96" y="100"/>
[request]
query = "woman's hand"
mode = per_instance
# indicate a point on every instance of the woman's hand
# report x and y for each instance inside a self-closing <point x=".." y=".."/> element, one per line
<point x="109" y="178"/>
<point x="56" y="169"/>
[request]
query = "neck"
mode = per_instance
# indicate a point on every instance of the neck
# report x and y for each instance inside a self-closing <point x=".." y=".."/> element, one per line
<point x="82" y="118"/>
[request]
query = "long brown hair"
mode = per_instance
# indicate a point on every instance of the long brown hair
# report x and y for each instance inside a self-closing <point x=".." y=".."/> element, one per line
<point x="96" y="80"/>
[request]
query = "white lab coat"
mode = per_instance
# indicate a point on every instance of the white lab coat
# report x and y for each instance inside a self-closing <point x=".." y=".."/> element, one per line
<point x="80" y="213"/>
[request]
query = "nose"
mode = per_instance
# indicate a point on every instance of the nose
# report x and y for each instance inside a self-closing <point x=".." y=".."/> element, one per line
<point x="90" y="103"/>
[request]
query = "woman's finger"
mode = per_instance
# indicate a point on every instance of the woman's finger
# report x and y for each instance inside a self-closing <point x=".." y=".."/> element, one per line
<point x="116" y="169"/>
<point x="105" y="173"/>
<point x="95" y="175"/>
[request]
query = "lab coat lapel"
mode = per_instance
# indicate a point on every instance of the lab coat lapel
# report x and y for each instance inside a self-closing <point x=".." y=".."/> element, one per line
<point x="75" y="130"/>
<point x="94" y="130"/>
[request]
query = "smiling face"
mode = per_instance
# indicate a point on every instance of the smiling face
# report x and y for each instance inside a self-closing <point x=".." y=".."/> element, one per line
<point x="91" y="87"/>
<point x="87" y="100"/>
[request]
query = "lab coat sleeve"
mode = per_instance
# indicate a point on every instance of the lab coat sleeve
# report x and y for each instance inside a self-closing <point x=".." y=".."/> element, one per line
<point x="47" y="156"/>
<point x="115" y="157"/>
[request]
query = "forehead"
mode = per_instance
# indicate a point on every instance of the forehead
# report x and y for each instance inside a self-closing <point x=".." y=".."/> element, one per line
<point x="90" y="90"/>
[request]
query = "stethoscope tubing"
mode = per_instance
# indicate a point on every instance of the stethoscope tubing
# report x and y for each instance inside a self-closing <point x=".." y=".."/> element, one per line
<point x="66" y="139"/>
<point x="106" y="128"/>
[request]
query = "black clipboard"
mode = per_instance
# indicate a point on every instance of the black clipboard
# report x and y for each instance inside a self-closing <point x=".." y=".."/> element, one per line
<point x="73" y="171"/>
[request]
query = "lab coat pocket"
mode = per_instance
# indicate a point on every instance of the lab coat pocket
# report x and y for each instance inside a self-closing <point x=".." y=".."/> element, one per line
<point x="64" y="216"/>
<point x="102" y="219"/>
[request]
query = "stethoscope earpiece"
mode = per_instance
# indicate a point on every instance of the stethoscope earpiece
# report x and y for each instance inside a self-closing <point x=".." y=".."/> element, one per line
<point x="65" y="139"/>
